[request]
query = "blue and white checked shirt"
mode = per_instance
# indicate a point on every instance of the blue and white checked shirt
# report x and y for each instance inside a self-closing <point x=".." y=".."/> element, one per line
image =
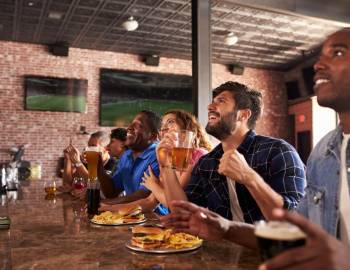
<point x="276" y="161"/>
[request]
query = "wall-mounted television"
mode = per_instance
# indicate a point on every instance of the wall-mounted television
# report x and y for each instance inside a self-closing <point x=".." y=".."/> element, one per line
<point x="55" y="94"/>
<point x="125" y="93"/>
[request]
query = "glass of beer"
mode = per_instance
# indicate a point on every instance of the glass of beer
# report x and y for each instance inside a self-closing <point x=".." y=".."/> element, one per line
<point x="273" y="237"/>
<point x="182" y="151"/>
<point x="50" y="187"/>
<point x="92" y="154"/>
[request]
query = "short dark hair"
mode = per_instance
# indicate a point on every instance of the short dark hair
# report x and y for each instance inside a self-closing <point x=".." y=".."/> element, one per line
<point x="153" y="120"/>
<point x="119" y="134"/>
<point x="245" y="98"/>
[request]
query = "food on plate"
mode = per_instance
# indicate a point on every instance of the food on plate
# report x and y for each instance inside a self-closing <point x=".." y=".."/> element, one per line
<point x="125" y="215"/>
<point x="149" y="237"/>
<point x="156" y="238"/>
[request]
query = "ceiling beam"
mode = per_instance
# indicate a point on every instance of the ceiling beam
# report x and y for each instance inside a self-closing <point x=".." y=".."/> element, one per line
<point x="336" y="10"/>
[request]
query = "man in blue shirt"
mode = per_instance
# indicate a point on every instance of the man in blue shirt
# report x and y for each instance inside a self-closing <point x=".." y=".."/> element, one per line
<point x="142" y="135"/>
<point x="247" y="175"/>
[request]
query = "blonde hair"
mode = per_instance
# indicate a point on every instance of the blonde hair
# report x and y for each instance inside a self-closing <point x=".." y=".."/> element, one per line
<point x="188" y="121"/>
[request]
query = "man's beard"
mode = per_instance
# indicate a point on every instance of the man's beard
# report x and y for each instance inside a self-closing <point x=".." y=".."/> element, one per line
<point x="224" y="127"/>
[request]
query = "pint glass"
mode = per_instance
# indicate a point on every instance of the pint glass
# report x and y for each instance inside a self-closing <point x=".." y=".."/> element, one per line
<point x="92" y="154"/>
<point x="182" y="151"/>
<point x="273" y="237"/>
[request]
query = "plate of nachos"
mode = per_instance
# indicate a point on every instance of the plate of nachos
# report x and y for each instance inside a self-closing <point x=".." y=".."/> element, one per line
<point x="150" y="239"/>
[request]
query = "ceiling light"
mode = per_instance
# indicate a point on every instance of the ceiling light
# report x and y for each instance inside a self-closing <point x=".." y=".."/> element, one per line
<point x="130" y="24"/>
<point x="55" y="15"/>
<point x="230" y="39"/>
<point x="30" y="3"/>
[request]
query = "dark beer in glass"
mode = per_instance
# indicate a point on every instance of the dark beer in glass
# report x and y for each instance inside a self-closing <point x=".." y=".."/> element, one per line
<point x="273" y="237"/>
<point x="93" y="197"/>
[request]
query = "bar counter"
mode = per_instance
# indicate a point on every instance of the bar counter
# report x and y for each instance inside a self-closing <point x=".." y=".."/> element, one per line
<point x="56" y="234"/>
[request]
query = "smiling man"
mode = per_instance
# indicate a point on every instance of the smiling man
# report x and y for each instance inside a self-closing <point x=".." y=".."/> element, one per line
<point x="326" y="206"/>
<point x="142" y="134"/>
<point x="246" y="175"/>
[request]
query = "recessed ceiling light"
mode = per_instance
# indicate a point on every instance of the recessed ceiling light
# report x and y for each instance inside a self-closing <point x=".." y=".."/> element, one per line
<point x="30" y="3"/>
<point x="55" y="15"/>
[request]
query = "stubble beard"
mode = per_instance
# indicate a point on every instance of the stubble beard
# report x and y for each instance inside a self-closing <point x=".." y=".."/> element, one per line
<point x="224" y="127"/>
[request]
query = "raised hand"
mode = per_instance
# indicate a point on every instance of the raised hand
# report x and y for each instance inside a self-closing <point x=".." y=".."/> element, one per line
<point x="322" y="251"/>
<point x="234" y="165"/>
<point x="196" y="220"/>
<point x="73" y="154"/>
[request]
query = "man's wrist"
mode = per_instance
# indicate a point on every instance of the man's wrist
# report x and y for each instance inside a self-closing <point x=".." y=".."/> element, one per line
<point x="250" y="177"/>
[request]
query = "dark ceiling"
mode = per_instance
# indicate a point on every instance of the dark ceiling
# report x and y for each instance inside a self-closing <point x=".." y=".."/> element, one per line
<point x="267" y="39"/>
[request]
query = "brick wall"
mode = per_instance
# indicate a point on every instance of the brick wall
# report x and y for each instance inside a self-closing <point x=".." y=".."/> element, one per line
<point x="48" y="132"/>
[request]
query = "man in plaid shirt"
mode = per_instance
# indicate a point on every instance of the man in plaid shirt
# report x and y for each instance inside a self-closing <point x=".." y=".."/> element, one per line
<point x="246" y="175"/>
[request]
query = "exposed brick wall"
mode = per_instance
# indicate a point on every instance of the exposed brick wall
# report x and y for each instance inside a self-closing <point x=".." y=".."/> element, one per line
<point x="48" y="132"/>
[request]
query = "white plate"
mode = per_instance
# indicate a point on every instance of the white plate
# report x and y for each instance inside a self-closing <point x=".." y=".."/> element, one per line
<point x="161" y="250"/>
<point x="119" y="224"/>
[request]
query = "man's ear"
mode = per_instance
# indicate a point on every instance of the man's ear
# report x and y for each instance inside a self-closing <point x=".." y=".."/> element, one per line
<point x="244" y="115"/>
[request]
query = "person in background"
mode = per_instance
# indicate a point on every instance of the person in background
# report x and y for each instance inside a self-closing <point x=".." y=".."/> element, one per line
<point x="142" y="135"/>
<point x="116" y="146"/>
<point x="172" y="121"/>
<point x="324" y="213"/>
<point x="246" y="175"/>
<point x="74" y="162"/>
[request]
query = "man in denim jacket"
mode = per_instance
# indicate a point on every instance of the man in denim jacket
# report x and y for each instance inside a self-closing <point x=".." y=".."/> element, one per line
<point x="326" y="203"/>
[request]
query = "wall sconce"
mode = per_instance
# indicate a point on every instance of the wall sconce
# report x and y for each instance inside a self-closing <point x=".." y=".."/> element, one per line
<point x="82" y="130"/>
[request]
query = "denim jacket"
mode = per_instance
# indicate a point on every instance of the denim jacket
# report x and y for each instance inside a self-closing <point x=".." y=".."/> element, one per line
<point x="321" y="203"/>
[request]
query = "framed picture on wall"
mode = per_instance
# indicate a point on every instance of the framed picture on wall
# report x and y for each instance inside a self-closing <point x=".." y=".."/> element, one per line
<point x="125" y="93"/>
<point x="55" y="94"/>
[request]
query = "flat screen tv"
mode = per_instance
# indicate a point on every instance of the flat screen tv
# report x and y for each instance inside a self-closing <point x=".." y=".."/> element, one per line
<point x="55" y="94"/>
<point x="125" y="93"/>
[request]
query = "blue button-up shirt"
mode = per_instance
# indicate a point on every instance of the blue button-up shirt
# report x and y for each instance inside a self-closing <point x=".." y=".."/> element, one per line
<point x="129" y="173"/>
<point x="276" y="161"/>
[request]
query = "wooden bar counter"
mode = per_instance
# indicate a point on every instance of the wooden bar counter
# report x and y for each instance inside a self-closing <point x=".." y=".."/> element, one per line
<point x="56" y="234"/>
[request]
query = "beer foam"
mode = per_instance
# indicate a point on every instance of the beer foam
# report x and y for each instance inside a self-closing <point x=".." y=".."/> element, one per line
<point x="94" y="149"/>
<point x="278" y="231"/>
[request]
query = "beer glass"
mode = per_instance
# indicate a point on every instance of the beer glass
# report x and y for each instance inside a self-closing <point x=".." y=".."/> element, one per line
<point x="182" y="151"/>
<point x="50" y="187"/>
<point x="92" y="154"/>
<point x="273" y="237"/>
<point x="93" y="197"/>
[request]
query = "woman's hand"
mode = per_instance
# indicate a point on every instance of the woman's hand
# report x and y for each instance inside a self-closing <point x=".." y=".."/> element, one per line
<point x="164" y="150"/>
<point x="150" y="181"/>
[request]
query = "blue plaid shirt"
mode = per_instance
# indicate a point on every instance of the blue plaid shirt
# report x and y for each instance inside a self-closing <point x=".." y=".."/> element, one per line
<point x="276" y="161"/>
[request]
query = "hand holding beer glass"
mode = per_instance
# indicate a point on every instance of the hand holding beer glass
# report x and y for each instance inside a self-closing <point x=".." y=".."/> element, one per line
<point x="183" y="149"/>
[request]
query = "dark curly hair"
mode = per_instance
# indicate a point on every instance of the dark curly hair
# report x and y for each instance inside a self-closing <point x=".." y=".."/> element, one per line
<point x="245" y="98"/>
